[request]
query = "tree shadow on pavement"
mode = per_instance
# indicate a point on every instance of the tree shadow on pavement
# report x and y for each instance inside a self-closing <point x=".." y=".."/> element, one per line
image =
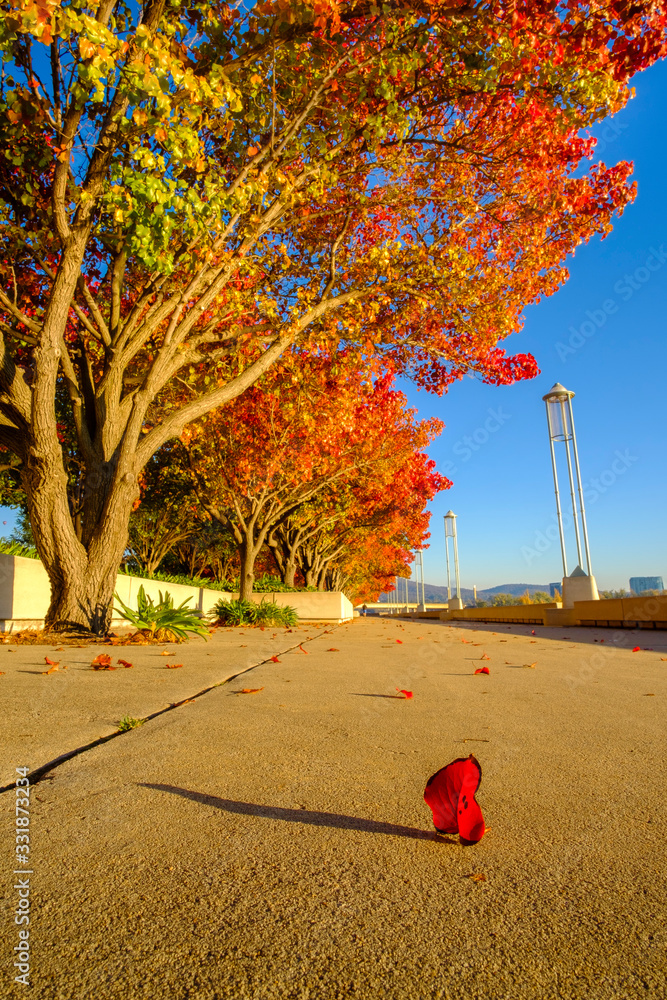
<point x="307" y="816"/>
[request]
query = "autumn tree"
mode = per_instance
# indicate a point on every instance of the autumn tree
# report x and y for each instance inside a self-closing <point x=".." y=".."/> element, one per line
<point x="384" y="513"/>
<point x="186" y="190"/>
<point x="167" y="514"/>
<point x="315" y="424"/>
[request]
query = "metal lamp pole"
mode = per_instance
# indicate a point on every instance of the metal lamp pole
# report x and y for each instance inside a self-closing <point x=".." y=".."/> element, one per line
<point x="560" y="421"/>
<point x="450" y="532"/>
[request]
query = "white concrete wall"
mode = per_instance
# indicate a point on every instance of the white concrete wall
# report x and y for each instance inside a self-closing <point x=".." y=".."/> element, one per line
<point x="25" y="593"/>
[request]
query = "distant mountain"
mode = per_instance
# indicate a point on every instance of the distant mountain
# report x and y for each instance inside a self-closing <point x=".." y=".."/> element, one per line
<point x="438" y="595"/>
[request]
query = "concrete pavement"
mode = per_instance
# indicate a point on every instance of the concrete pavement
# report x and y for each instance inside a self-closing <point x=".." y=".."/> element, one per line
<point x="276" y="845"/>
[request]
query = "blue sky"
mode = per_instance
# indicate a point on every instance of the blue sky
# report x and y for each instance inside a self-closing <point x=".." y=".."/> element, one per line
<point x="503" y="488"/>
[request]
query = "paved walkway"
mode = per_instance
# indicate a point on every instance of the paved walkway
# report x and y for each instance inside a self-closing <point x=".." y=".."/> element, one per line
<point x="275" y="845"/>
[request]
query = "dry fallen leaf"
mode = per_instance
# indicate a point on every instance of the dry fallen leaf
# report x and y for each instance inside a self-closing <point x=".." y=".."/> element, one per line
<point x="649" y="696"/>
<point x="482" y="670"/>
<point x="173" y="666"/>
<point x="51" y="670"/>
<point x="478" y="877"/>
<point x="274" y="659"/>
<point x="124" y="663"/>
<point x="2" y="673"/>
<point x="333" y="649"/>
<point x="531" y="665"/>
<point x="484" y="657"/>
<point x="300" y="647"/>
<point x="101" y="662"/>
<point x="250" y="690"/>
<point x="51" y="663"/>
<point x="406" y="694"/>
<point x="165" y="652"/>
<point x="636" y="649"/>
<point x="400" y="642"/>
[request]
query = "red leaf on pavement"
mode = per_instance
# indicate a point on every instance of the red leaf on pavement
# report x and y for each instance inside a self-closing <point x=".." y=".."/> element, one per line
<point x="274" y="659"/>
<point x="302" y="649"/>
<point x="636" y="649"/>
<point x="482" y="670"/>
<point x="250" y="690"/>
<point x="52" y="669"/>
<point x="124" y="663"/>
<point x="101" y="661"/>
<point x="407" y="694"/>
<point x="450" y="794"/>
<point x="173" y="666"/>
<point x="51" y="663"/>
<point x="400" y="642"/>
<point x="333" y="649"/>
<point x="484" y="657"/>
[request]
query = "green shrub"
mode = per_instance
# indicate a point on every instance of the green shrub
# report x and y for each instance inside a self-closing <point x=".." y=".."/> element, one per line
<point x="248" y="613"/>
<point x="11" y="548"/>
<point x="162" y="621"/>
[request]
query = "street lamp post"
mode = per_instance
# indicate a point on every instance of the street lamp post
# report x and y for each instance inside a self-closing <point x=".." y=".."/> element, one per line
<point x="450" y="532"/>
<point x="579" y="585"/>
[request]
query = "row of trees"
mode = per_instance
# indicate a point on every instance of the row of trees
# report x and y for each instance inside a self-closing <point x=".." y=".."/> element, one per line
<point x="318" y="471"/>
<point x="188" y="191"/>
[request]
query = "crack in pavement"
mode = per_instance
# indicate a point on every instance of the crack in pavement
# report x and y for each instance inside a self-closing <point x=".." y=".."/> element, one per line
<point x="40" y="773"/>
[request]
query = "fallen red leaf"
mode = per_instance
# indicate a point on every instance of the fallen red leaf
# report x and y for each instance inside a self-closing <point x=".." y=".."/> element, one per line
<point x="250" y="690"/>
<point x="101" y="661"/>
<point x="482" y="670"/>
<point x="52" y="663"/>
<point x="302" y="649"/>
<point x="51" y="670"/>
<point x="400" y="642"/>
<point x="636" y="649"/>
<point x="484" y="657"/>
<point x="124" y="663"/>
<point x="450" y="794"/>
<point x="407" y="694"/>
<point x="173" y="666"/>
<point x="274" y="659"/>
<point x="332" y="649"/>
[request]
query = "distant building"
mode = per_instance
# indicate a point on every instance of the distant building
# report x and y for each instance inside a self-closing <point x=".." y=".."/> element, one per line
<point x="641" y="583"/>
<point x="553" y="587"/>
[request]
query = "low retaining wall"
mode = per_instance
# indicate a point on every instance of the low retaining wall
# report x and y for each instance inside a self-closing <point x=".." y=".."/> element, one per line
<point x="528" y="614"/>
<point x="25" y="593"/>
<point x="626" y="612"/>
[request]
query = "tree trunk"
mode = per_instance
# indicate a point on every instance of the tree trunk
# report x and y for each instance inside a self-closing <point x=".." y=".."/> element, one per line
<point x="289" y="573"/>
<point x="82" y="573"/>
<point x="247" y="554"/>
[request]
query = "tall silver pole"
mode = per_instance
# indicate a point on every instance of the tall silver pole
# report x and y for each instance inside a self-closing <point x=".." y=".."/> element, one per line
<point x="456" y="564"/>
<point x="575" y="516"/>
<point x="558" y="510"/>
<point x="421" y="561"/>
<point x="580" y="490"/>
<point x="449" y="589"/>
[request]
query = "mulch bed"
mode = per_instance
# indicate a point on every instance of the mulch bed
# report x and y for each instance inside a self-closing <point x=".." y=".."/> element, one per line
<point x="42" y="637"/>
